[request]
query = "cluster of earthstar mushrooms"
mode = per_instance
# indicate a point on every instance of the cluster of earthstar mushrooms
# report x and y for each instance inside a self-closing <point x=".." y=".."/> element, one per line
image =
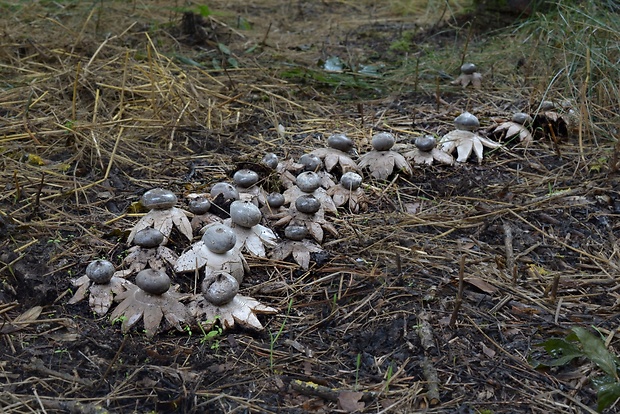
<point x="275" y="225"/>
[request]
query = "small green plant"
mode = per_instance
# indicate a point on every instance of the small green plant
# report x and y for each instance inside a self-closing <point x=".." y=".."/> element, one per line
<point x="274" y="337"/>
<point x="56" y="240"/>
<point x="226" y="55"/>
<point x="358" y="364"/>
<point x="69" y="125"/>
<point x="211" y="336"/>
<point x="201" y="9"/>
<point x="339" y="83"/>
<point x="404" y="43"/>
<point x="388" y="377"/>
<point x="581" y="344"/>
<point x="119" y="320"/>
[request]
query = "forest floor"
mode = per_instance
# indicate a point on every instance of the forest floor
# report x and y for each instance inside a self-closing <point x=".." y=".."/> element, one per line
<point x="435" y="299"/>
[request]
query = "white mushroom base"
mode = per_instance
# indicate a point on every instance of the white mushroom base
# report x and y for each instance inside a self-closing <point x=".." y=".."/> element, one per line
<point x="241" y="310"/>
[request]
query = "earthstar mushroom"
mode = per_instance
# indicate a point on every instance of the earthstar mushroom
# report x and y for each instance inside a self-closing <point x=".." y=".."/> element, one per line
<point x="296" y="245"/>
<point x="200" y="206"/>
<point x="338" y="154"/>
<point x="219" y="288"/>
<point x="274" y="206"/>
<point x="349" y="192"/>
<point x="163" y="215"/>
<point x="426" y="151"/>
<point x="516" y="127"/>
<point x="270" y="160"/>
<point x="101" y="286"/>
<point x="469" y="75"/>
<point x="216" y="250"/>
<point x="251" y="236"/>
<point x="246" y="181"/>
<point x="151" y="299"/>
<point x="220" y="301"/>
<point x="382" y="160"/>
<point x="148" y="251"/>
<point x="464" y="140"/>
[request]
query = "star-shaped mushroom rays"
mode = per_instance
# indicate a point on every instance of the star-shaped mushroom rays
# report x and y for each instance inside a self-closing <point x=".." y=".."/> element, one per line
<point x="217" y="251"/>
<point x="381" y="161"/>
<point x="425" y="152"/>
<point x="151" y="300"/>
<point x="338" y="154"/>
<point x="333" y="157"/>
<point x="162" y="216"/>
<point x="300" y="250"/>
<point x="101" y="286"/>
<point x="469" y="76"/>
<point x="516" y="127"/>
<point x="199" y="205"/>
<point x="466" y="142"/>
<point x="348" y="192"/>
<point x="149" y="251"/>
<point x="288" y="171"/>
<point x="241" y="310"/>
<point x="140" y="257"/>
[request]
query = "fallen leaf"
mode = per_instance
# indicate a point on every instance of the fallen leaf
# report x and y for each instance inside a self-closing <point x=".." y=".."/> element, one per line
<point x="521" y="309"/>
<point x="412" y="208"/>
<point x="350" y="401"/>
<point x="484" y="286"/>
<point x="299" y="347"/>
<point x="30" y="315"/>
<point x="487" y="351"/>
<point x="22" y="320"/>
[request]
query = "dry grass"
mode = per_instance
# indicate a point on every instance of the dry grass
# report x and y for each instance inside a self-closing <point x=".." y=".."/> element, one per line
<point x="101" y="103"/>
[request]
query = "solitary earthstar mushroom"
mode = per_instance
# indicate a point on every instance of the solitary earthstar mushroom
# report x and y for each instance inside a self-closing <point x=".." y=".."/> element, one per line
<point x="469" y="75"/>
<point x="382" y="161"/>
<point x="338" y="153"/>
<point x="349" y="192"/>
<point x="516" y="127"/>
<point x="297" y="245"/>
<point x="464" y="140"/>
<point x="148" y="251"/>
<point x="246" y="181"/>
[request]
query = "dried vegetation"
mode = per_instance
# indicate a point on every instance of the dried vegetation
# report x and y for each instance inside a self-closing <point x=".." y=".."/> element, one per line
<point x="433" y="299"/>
